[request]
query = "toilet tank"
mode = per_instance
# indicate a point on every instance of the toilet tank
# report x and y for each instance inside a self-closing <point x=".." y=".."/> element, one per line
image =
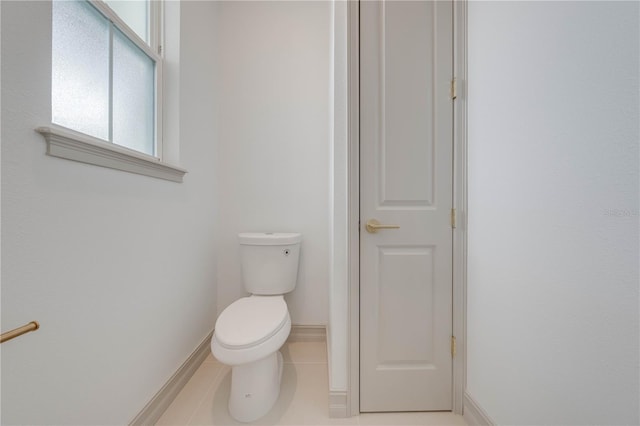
<point x="269" y="261"/>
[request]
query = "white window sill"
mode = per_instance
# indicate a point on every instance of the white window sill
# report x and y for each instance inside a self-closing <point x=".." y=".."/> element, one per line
<point x="66" y="143"/>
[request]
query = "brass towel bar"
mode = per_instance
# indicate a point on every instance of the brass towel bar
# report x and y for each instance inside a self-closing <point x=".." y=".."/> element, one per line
<point x="32" y="326"/>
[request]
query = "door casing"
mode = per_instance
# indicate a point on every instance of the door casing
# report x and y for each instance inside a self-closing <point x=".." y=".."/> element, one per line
<point x="459" y="203"/>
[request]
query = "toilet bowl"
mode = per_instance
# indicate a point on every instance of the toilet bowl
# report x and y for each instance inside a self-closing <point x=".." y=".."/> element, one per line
<point x="250" y="329"/>
<point x="249" y="333"/>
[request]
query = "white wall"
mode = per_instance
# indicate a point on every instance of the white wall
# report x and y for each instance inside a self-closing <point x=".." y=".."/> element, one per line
<point x="272" y="96"/>
<point x="118" y="268"/>
<point x="553" y="211"/>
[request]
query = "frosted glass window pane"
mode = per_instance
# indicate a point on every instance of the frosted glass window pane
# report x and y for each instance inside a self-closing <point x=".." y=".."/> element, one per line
<point x="135" y="13"/>
<point x="133" y="96"/>
<point x="80" y="68"/>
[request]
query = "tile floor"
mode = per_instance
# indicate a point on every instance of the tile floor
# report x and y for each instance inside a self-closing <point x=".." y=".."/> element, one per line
<point x="303" y="398"/>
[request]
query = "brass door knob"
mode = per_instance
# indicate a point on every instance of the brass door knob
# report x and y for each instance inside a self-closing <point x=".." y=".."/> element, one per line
<point x="373" y="225"/>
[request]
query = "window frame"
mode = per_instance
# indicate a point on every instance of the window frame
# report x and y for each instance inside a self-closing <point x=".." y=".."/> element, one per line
<point x="153" y="50"/>
<point x="72" y="145"/>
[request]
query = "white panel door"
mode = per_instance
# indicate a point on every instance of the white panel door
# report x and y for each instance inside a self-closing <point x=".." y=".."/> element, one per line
<point x="406" y="122"/>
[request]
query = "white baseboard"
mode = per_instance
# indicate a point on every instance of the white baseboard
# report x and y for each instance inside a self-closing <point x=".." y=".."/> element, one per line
<point x="474" y="414"/>
<point x="165" y="396"/>
<point x="338" y="404"/>
<point x="308" y="333"/>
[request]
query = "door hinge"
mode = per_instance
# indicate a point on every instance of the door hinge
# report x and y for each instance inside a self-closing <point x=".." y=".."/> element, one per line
<point x="453" y="218"/>
<point x="453" y="346"/>
<point x="454" y="88"/>
<point x="159" y="49"/>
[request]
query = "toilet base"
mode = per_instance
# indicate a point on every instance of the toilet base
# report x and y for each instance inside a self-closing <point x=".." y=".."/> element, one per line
<point x="255" y="387"/>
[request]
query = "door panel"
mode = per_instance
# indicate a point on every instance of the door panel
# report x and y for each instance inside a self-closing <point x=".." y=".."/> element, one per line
<point x="406" y="58"/>
<point x="396" y="348"/>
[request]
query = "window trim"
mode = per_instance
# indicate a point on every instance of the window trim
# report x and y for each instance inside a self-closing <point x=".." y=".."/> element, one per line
<point x="71" y="145"/>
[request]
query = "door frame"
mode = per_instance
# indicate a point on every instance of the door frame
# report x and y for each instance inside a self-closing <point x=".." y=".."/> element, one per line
<point x="459" y="203"/>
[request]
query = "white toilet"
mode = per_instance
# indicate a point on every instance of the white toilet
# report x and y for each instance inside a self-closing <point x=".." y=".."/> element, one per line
<point x="249" y="332"/>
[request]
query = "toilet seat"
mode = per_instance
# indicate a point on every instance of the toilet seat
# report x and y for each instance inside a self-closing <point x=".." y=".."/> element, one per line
<point x="249" y="321"/>
<point x="251" y="329"/>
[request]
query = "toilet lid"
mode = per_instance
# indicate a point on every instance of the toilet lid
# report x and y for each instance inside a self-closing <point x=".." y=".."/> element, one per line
<point x="250" y="321"/>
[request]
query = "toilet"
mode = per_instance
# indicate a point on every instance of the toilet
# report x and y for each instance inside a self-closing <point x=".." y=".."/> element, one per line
<point x="249" y="332"/>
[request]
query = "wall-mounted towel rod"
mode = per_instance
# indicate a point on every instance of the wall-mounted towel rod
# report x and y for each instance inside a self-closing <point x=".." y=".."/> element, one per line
<point x="32" y="326"/>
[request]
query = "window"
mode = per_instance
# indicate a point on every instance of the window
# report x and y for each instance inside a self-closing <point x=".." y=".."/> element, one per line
<point x="103" y="82"/>
<point x="136" y="14"/>
<point x="106" y="80"/>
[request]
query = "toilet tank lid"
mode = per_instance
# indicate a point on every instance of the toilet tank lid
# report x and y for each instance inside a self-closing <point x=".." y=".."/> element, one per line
<point x="269" y="238"/>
